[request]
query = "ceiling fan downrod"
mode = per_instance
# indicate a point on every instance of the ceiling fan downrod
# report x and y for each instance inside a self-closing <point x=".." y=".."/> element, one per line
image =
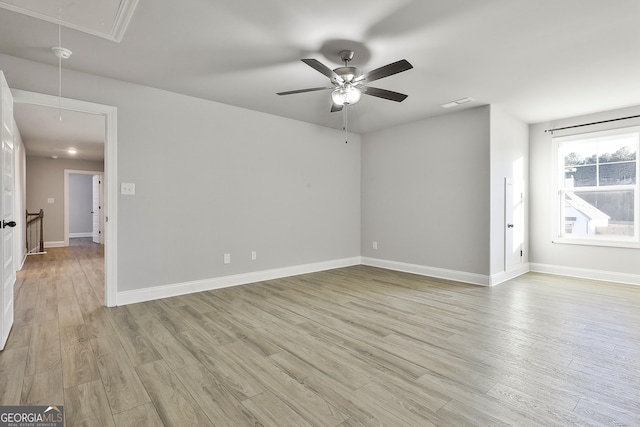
<point x="346" y="56"/>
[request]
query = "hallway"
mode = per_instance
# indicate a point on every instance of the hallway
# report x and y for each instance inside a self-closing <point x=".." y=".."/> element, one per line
<point x="58" y="309"/>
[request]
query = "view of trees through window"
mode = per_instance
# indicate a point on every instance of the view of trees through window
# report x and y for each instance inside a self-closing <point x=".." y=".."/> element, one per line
<point x="599" y="185"/>
<point x="614" y="168"/>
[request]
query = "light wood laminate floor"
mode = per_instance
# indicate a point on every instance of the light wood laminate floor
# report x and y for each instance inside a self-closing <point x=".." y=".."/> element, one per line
<point x="357" y="346"/>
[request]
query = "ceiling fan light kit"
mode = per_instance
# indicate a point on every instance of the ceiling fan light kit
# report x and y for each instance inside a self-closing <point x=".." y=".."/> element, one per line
<point x="347" y="95"/>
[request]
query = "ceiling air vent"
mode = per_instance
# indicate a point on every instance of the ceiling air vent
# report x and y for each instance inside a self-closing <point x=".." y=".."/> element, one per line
<point x="456" y="102"/>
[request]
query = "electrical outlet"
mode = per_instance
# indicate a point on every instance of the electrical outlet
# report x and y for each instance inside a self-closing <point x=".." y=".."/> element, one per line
<point x="227" y="258"/>
<point x="254" y="255"/>
<point x="375" y="245"/>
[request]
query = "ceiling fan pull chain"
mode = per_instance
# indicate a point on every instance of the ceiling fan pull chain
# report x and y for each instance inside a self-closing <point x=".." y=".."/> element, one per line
<point x="346" y="107"/>
<point x="61" y="53"/>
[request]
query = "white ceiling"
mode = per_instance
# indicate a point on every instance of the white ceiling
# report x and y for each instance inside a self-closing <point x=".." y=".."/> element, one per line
<point x="539" y="60"/>
<point x="45" y="135"/>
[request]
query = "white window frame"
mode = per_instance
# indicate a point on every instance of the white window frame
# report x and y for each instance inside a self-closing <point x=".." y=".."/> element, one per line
<point x="559" y="189"/>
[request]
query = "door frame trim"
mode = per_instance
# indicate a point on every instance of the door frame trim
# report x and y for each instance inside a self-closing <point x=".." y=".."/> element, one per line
<point x="110" y="175"/>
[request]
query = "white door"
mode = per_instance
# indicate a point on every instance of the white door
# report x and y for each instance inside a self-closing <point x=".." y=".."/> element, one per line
<point x="8" y="270"/>
<point x="96" y="208"/>
<point x="514" y="223"/>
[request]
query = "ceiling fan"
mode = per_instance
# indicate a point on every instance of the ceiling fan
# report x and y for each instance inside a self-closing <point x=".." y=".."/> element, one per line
<point x="349" y="83"/>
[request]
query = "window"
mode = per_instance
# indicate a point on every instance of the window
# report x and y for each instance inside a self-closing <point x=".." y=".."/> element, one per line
<point x="596" y="198"/>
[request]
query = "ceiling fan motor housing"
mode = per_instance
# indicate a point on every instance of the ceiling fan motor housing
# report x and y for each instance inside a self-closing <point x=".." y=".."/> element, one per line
<point x="347" y="74"/>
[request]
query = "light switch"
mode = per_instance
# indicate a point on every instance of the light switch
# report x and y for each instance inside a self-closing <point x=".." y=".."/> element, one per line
<point x="50" y="200"/>
<point x="127" y="189"/>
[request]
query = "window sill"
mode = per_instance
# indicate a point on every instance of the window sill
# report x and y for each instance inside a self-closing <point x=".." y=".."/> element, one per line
<point x="595" y="242"/>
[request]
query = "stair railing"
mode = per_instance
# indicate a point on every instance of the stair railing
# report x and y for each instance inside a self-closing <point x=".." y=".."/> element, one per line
<point x="34" y="232"/>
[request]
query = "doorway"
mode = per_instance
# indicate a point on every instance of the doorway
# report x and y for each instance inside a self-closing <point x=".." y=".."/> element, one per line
<point x="109" y="175"/>
<point x="83" y="202"/>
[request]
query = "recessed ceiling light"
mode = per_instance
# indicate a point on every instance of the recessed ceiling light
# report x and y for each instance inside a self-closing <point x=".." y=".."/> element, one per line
<point x="72" y="151"/>
<point x="457" y="102"/>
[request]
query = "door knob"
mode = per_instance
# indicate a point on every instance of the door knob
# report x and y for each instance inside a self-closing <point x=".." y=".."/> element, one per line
<point x="8" y="223"/>
<point x="509" y="225"/>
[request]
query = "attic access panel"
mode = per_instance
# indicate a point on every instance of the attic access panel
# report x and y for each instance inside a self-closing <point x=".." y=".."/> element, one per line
<point x="102" y="18"/>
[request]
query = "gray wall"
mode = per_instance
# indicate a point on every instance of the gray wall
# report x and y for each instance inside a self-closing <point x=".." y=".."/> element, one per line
<point x="45" y="179"/>
<point x="80" y="203"/>
<point x="425" y="192"/>
<point x="543" y="251"/>
<point x="213" y="179"/>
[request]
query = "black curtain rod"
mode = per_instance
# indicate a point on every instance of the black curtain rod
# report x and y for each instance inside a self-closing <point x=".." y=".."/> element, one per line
<point x="594" y="123"/>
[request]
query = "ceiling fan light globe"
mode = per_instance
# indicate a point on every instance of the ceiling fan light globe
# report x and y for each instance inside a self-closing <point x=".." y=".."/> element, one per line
<point x="347" y="95"/>
<point x="353" y="96"/>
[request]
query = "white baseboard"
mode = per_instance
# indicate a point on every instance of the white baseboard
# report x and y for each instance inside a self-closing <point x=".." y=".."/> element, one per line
<point x="586" y="273"/>
<point x="503" y="276"/>
<point x="166" y="291"/>
<point x="21" y="263"/>
<point x="72" y="235"/>
<point x="54" y="244"/>
<point x="423" y="270"/>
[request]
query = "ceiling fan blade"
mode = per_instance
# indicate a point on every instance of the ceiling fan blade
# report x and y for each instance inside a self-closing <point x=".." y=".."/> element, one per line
<point x="385" y="71"/>
<point x="311" y="89"/>
<point x="335" y="107"/>
<point x="319" y="66"/>
<point x="383" y="93"/>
